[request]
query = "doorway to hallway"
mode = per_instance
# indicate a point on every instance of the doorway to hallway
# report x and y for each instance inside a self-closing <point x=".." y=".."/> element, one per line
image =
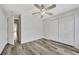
<point x="17" y="29"/>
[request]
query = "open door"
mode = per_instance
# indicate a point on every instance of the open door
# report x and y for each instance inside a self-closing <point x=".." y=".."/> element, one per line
<point x="10" y="30"/>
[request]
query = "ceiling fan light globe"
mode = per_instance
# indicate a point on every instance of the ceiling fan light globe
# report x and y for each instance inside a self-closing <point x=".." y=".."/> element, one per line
<point x="43" y="12"/>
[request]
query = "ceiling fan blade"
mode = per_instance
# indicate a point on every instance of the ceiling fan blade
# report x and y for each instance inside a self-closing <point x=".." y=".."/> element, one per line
<point x="48" y="13"/>
<point x="37" y="6"/>
<point x="35" y="13"/>
<point x="42" y="6"/>
<point x="52" y="6"/>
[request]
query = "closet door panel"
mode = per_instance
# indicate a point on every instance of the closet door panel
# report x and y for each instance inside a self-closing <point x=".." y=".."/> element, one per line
<point x="66" y="30"/>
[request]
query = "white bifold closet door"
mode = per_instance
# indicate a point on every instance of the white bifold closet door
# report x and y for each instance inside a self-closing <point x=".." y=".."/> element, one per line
<point x="10" y="30"/>
<point x="66" y="29"/>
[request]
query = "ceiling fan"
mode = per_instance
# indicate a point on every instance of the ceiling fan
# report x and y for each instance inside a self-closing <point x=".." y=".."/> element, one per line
<point x="43" y="9"/>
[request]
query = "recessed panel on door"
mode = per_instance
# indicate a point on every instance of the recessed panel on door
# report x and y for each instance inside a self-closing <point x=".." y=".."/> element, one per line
<point x="66" y="30"/>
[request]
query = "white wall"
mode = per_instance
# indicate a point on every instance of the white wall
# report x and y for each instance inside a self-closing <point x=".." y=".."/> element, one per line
<point x="3" y="31"/>
<point x="68" y="28"/>
<point x="51" y="28"/>
<point x="31" y="27"/>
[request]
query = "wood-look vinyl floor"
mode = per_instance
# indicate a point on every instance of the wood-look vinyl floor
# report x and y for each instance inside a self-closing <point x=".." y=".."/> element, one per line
<point x="40" y="47"/>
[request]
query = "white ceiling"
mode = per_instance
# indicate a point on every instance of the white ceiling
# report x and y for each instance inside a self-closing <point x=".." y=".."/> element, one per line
<point x="29" y="8"/>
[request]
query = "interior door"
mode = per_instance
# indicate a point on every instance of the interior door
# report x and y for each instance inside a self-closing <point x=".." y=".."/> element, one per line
<point x="66" y="30"/>
<point x="10" y="30"/>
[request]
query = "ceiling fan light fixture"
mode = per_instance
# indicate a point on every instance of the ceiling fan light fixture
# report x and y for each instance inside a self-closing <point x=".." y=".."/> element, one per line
<point x="43" y="9"/>
<point x="43" y="13"/>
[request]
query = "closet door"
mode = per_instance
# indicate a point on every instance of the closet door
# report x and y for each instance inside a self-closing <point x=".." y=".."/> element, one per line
<point x="10" y="30"/>
<point x="66" y="29"/>
<point x="53" y="29"/>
